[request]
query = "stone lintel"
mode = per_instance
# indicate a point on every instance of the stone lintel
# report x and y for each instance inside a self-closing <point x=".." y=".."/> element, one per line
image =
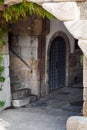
<point x="77" y="28"/>
<point x="64" y="11"/>
<point x="12" y="2"/>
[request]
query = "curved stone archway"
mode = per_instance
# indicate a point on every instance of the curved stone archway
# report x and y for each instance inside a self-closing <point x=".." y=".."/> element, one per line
<point x="73" y="16"/>
<point x="66" y="40"/>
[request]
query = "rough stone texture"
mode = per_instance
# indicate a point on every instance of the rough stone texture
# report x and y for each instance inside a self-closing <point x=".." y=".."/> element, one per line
<point x="21" y="93"/>
<point x="63" y="10"/>
<point x="75" y="67"/>
<point x="85" y="94"/>
<point x="77" y="123"/>
<point x="5" y="94"/>
<point x="83" y="45"/>
<point x="85" y="108"/>
<point x="85" y="85"/>
<point x="21" y="102"/>
<point x="11" y="2"/>
<point x="77" y="28"/>
<point x="24" y="63"/>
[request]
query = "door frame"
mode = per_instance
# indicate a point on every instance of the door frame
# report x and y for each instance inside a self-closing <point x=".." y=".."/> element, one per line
<point x="67" y="42"/>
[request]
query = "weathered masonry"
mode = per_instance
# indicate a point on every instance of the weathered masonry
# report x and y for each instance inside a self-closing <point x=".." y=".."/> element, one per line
<point x="45" y="61"/>
<point x="36" y="61"/>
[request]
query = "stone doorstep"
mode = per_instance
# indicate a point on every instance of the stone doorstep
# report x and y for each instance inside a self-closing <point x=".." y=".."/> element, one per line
<point x="21" y="102"/>
<point x="24" y="101"/>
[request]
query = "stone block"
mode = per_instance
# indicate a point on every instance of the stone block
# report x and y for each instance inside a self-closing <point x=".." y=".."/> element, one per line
<point x="12" y="2"/>
<point x="85" y="108"/>
<point x="84" y="63"/>
<point x="78" y="29"/>
<point x="21" y="93"/>
<point x="21" y="102"/>
<point x="26" y="52"/>
<point x="5" y="62"/>
<point x="34" y="86"/>
<point x="83" y="45"/>
<point x="64" y="11"/>
<point x="85" y="94"/>
<point x="24" y="41"/>
<point x="85" y="78"/>
<point x="76" y="123"/>
<point x="5" y="94"/>
<point x="33" y="98"/>
<point x="4" y="49"/>
<point x="6" y="72"/>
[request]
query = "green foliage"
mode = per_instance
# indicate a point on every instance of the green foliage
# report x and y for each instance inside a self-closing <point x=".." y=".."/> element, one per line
<point x="2" y="103"/>
<point x="2" y="79"/>
<point x="14" y="12"/>
<point x="1" y="1"/>
<point x="1" y="88"/>
<point x="2" y="32"/>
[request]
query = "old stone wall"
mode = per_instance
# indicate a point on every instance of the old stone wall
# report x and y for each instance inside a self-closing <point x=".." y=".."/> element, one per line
<point x="73" y="55"/>
<point x="75" y="68"/>
<point x="24" y="63"/>
<point x="5" y="94"/>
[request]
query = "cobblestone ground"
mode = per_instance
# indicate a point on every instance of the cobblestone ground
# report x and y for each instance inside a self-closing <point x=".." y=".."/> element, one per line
<point x="49" y="113"/>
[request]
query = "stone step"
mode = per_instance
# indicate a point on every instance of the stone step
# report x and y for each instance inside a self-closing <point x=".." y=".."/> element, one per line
<point x="33" y="98"/>
<point x="24" y="101"/>
<point x="20" y="102"/>
<point x="21" y="93"/>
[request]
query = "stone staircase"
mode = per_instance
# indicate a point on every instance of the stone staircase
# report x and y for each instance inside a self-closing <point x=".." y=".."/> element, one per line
<point x="22" y="97"/>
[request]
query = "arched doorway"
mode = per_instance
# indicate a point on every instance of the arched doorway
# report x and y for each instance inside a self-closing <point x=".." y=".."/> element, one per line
<point x="57" y="64"/>
<point x="58" y="61"/>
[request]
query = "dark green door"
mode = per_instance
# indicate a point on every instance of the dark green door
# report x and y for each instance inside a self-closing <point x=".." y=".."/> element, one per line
<point x="57" y="64"/>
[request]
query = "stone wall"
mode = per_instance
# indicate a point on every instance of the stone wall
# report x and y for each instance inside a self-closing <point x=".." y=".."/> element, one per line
<point x="75" y="68"/>
<point x="5" y="94"/>
<point x="24" y="63"/>
<point x="85" y="86"/>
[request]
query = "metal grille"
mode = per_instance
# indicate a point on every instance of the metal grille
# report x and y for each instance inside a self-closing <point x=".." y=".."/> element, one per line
<point x="57" y="64"/>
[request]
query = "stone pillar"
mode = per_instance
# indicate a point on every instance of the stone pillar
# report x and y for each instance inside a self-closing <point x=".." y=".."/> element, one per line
<point x="83" y="45"/>
<point x="5" y="94"/>
<point x="85" y="86"/>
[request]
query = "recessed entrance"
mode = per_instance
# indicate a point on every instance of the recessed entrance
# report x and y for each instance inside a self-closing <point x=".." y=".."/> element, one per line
<point x="57" y="64"/>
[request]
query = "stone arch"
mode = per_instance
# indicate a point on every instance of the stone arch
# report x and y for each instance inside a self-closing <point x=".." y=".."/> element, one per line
<point x="66" y="40"/>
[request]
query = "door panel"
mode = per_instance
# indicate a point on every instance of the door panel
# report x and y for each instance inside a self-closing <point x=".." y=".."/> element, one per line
<point x="57" y="64"/>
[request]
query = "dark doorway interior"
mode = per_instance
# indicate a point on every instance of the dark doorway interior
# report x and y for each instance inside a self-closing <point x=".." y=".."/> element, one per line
<point x="57" y="64"/>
